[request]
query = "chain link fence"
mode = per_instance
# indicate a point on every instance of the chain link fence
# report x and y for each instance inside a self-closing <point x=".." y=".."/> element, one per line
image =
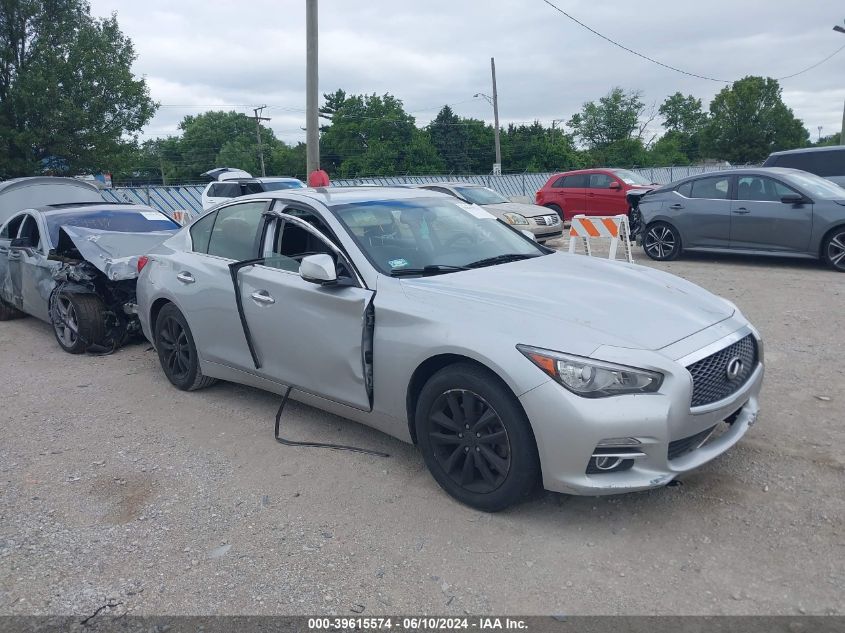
<point x="522" y="185"/>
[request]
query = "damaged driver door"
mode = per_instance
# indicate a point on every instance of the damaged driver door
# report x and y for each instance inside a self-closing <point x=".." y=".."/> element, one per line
<point x="315" y="337"/>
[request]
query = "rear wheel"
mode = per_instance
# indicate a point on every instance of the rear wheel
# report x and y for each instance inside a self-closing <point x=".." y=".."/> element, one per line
<point x="177" y="352"/>
<point x="662" y="242"/>
<point x="78" y="321"/>
<point x="475" y="438"/>
<point x="8" y="312"/>
<point x="833" y="249"/>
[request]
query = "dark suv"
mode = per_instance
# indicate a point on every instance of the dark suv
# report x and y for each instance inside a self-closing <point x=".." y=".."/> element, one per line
<point x="827" y="162"/>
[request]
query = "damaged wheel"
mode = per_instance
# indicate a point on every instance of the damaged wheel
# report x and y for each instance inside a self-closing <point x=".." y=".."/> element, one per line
<point x="78" y="321"/>
<point x="475" y="438"/>
<point x="177" y="352"/>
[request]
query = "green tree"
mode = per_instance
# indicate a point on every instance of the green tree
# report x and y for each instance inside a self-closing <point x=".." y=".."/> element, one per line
<point x="68" y="98"/>
<point x="832" y="139"/>
<point x="371" y="134"/>
<point x="612" y="129"/>
<point x="683" y="118"/>
<point x="749" y="120"/>
<point x="538" y="148"/>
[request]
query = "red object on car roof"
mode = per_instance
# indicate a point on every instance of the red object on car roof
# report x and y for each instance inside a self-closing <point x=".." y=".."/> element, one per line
<point x="318" y="178"/>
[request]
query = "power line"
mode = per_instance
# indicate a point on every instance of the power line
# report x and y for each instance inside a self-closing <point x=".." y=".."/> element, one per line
<point x="673" y="68"/>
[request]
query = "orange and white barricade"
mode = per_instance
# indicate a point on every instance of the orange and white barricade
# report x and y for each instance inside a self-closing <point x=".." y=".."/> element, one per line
<point x="181" y="216"/>
<point x="615" y="228"/>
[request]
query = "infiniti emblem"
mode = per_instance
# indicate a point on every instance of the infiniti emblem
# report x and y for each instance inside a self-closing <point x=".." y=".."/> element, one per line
<point x="734" y="368"/>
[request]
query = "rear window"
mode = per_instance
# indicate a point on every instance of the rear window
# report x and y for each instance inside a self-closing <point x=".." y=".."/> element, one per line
<point x="279" y="185"/>
<point x="119" y="220"/>
<point x="225" y="190"/>
<point x="825" y="163"/>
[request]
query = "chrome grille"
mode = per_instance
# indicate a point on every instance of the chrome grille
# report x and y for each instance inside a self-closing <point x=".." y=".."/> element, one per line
<point x="547" y="220"/>
<point x="710" y="380"/>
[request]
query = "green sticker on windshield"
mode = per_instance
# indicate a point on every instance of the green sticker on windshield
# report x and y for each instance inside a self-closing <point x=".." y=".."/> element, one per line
<point x="397" y="263"/>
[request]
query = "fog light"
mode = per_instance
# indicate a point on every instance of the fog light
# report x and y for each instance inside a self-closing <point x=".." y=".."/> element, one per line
<point x="607" y="463"/>
<point x="620" y="441"/>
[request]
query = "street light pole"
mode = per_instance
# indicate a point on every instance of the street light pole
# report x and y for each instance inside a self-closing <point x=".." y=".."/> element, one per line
<point x="312" y="115"/>
<point x="497" y="168"/>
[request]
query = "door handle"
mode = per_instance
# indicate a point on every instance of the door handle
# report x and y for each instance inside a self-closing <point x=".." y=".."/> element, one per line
<point x="185" y="277"/>
<point x="262" y="296"/>
<point x="677" y="206"/>
<point x="742" y="211"/>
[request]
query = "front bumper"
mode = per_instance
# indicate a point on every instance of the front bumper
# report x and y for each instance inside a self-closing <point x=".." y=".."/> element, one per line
<point x="568" y="428"/>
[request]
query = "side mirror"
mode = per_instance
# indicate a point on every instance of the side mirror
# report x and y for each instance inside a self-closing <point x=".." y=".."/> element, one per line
<point x="792" y="198"/>
<point x="614" y="185"/>
<point x="318" y="269"/>
<point x="529" y="235"/>
<point x="22" y="242"/>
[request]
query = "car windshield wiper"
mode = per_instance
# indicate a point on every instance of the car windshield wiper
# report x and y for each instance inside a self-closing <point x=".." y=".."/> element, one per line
<point x="433" y="269"/>
<point x="500" y="259"/>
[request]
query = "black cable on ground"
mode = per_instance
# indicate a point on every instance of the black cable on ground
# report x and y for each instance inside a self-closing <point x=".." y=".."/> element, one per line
<point x="336" y="447"/>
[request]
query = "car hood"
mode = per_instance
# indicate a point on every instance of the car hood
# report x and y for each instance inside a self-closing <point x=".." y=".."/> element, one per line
<point x="576" y="302"/>
<point x="112" y="252"/>
<point x="528" y="210"/>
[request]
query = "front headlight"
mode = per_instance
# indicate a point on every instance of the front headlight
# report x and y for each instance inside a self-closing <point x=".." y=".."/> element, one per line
<point x="592" y="378"/>
<point x="515" y="218"/>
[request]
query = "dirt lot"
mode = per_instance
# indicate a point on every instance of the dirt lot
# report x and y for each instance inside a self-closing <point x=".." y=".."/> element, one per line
<point x="117" y="489"/>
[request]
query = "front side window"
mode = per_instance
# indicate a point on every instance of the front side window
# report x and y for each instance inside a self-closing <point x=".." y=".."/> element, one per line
<point x="292" y="243"/>
<point x="600" y="181"/>
<point x="235" y="231"/>
<point x="31" y="231"/>
<point x="715" y="188"/>
<point x="430" y="232"/>
<point x="760" y="188"/>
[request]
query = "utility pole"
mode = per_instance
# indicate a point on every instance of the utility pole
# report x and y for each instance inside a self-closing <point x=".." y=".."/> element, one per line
<point x="258" y="120"/>
<point x="839" y="29"/>
<point x="312" y="115"/>
<point x="497" y="168"/>
<point x="820" y="128"/>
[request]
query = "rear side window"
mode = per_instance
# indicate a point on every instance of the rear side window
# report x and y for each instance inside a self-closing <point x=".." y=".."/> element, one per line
<point x="576" y="181"/>
<point x="823" y="163"/>
<point x="201" y="233"/>
<point x="235" y="231"/>
<point x="225" y="190"/>
<point x="715" y="188"/>
<point x="558" y="184"/>
<point x="685" y="189"/>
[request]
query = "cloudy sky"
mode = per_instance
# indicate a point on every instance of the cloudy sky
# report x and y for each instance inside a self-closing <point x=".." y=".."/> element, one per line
<point x="204" y="54"/>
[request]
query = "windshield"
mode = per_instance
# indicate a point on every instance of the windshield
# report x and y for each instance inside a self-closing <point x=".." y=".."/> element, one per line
<point x="279" y="185"/>
<point x="120" y="220"/>
<point x="630" y="178"/>
<point x="480" y="195"/>
<point x="817" y="186"/>
<point x="430" y="232"/>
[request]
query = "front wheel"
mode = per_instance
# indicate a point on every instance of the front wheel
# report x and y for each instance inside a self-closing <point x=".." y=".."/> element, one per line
<point x="476" y="439"/>
<point x="833" y="250"/>
<point x="78" y="320"/>
<point x="177" y="352"/>
<point x="662" y="242"/>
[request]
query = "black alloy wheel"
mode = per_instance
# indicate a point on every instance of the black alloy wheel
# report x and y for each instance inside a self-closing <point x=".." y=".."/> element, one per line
<point x="177" y="352"/>
<point x="475" y="437"/>
<point x="469" y="441"/>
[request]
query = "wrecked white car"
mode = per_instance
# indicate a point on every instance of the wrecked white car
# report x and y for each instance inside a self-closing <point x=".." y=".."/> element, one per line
<point x="74" y="265"/>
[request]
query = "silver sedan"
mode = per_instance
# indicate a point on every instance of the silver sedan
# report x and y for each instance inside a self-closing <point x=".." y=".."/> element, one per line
<point x="432" y="321"/>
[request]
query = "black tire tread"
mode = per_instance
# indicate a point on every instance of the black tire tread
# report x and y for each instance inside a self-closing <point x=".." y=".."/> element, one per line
<point x="90" y="317"/>
<point x="200" y="381"/>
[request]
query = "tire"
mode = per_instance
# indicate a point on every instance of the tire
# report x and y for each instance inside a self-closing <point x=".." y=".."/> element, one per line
<point x="8" y="312"/>
<point x="662" y="242"/>
<point x="78" y="321"/>
<point x="557" y="210"/>
<point x="177" y="352"/>
<point x="833" y="249"/>
<point x="492" y="468"/>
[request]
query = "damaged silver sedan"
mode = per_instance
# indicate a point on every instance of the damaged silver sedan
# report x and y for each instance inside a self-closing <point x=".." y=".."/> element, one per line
<point x="74" y="265"/>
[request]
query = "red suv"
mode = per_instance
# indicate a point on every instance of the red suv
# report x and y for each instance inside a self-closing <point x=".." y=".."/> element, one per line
<point x="590" y="191"/>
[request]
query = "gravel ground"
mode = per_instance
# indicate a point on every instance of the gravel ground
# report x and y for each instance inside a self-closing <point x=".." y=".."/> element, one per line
<point x="116" y="489"/>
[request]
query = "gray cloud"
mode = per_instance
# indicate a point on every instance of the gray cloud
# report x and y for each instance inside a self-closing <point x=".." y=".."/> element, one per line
<point x="200" y="54"/>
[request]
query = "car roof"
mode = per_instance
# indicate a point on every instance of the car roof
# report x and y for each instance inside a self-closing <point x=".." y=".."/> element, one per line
<point x="810" y="150"/>
<point x="453" y="183"/>
<point x="588" y="170"/>
<point x="330" y="196"/>
<point x="87" y="207"/>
